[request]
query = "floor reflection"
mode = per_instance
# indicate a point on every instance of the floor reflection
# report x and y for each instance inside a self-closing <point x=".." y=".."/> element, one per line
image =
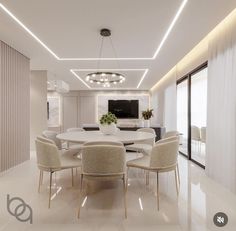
<point x="102" y="207"/>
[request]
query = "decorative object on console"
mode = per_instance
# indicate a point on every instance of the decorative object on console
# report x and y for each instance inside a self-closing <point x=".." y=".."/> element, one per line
<point x="108" y="124"/>
<point x="147" y="116"/>
<point x="105" y="78"/>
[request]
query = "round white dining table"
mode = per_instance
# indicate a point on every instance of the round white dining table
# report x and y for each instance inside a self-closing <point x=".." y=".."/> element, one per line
<point x="120" y="136"/>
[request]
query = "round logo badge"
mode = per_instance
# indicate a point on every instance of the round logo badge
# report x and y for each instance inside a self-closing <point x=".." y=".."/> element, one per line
<point x="220" y="219"/>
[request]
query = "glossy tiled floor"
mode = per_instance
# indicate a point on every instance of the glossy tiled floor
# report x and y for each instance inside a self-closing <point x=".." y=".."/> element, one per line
<point x="200" y="198"/>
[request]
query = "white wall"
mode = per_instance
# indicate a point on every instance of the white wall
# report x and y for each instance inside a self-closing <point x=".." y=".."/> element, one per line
<point x="102" y="104"/>
<point x="85" y="107"/>
<point x="38" y="104"/>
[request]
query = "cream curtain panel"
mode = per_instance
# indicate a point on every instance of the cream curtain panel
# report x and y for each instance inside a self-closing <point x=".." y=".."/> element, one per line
<point x="221" y="113"/>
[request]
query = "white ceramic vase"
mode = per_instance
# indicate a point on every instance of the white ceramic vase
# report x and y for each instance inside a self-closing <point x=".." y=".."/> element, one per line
<point x="108" y="129"/>
<point x="147" y="123"/>
<point x="141" y="123"/>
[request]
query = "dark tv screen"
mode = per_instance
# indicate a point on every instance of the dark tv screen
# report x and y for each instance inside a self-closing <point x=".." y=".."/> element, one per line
<point x="124" y="109"/>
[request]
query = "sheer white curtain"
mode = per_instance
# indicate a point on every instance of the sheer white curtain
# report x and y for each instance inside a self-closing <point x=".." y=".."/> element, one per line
<point x="221" y="113"/>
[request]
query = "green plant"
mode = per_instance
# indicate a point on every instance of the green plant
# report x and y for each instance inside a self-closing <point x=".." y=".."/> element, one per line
<point x="147" y="114"/>
<point x="108" y="118"/>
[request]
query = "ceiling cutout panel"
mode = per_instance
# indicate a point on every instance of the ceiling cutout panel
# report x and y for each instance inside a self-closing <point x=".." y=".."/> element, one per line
<point x="133" y="78"/>
<point x="71" y="28"/>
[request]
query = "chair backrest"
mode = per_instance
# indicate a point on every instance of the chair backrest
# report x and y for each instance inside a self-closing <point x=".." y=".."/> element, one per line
<point x="171" y="138"/>
<point x="148" y="141"/>
<point x="75" y="130"/>
<point x="103" y="160"/>
<point x="103" y="143"/>
<point x="51" y="135"/>
<point x="47" y="156"/>
<point x="203" y="134"/>
<point x="195" y="133"/>
<point x="45" y="140"/>
<point x="170" y="134"/>
<point x="164" y="155"/>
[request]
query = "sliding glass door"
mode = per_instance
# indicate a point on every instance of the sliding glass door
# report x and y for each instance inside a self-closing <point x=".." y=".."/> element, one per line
<point x="182" y="115"/>
<point x="198" y="115"/>
<point x="192" y="114"/>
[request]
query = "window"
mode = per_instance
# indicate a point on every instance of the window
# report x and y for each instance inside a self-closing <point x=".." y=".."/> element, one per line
<point x="192" y="114"/>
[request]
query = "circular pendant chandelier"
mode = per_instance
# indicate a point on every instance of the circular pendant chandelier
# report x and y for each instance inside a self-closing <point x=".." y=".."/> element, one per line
<point x="105" y="78"/>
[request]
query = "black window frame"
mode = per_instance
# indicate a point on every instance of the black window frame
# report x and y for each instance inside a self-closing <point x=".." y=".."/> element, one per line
<point x="188" y="77"/>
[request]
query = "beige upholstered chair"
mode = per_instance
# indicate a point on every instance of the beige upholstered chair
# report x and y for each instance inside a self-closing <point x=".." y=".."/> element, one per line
<point x="62" y="151"/>
<point x="72" y="145"/>
<point x="51" y="135"/>
<point x="202" y="138"/>
<point x="45" y="140"/>
<point x="195" y="138"/>
<point x="171" y="138"/>
<point x="50" y="160"/>
<point x="203" y="134"/>
<point x="163" y="158"/>
<point x="103" y="143"/>
<point x="170" y="134"/>
<point x="195" y="133"/>
<point x="103" y="162"/>
<point x="145" y="146"/>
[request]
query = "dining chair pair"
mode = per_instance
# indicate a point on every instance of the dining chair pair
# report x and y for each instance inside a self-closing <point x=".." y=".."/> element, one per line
<point x="106" y="161"/>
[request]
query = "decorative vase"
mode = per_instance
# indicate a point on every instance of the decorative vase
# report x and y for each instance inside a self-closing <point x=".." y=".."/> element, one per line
<point x="108" y="129"/>
<point x="146" y="123"/>
<point x="141" y="123"/>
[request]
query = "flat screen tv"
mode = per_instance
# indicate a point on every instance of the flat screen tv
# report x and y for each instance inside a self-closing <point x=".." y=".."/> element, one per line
<point x="124" y="109"/>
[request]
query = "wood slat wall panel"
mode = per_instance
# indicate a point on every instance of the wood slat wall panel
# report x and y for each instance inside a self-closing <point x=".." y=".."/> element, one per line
<point x="14" y="107"/>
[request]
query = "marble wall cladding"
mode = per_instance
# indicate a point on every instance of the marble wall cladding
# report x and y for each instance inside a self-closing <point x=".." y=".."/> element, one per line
<point x="102" y="105"/>
<point x="53" y="111"/>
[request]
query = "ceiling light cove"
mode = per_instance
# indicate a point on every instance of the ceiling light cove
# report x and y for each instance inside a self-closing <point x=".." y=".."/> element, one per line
<point x="169" y="29"/>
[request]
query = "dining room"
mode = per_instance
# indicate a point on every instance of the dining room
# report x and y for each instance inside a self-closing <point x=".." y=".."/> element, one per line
<point x="117" y="115"/>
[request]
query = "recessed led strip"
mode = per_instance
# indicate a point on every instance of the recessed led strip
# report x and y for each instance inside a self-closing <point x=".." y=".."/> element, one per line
<point x="87" y="59"/>
<point x="73" y="71"/>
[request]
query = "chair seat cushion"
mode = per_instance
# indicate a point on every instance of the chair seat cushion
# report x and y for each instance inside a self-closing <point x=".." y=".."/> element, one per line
<point x="143" y="162"/>
<point x="144" y="148"/>
<point x="69" y="159"/>
<point x="70" y="152"/>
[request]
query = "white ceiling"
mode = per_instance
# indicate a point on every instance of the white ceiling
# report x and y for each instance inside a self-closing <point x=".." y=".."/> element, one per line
<point x="70" y="28"/>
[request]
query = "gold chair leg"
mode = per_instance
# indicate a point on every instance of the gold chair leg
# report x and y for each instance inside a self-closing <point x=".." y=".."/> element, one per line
<point x="157" y="192"/>
<point x="127" y="176"/>
<point x="125" y="189"/>
<point x="147" y="177"/>
<point x="178" y="174"/>
<point x="50" y="190"/>
<point x="176" y="182"/>
<point x="81" y="194"/>
<point x="72" y="177"/>
<point x="40" y="180"/>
